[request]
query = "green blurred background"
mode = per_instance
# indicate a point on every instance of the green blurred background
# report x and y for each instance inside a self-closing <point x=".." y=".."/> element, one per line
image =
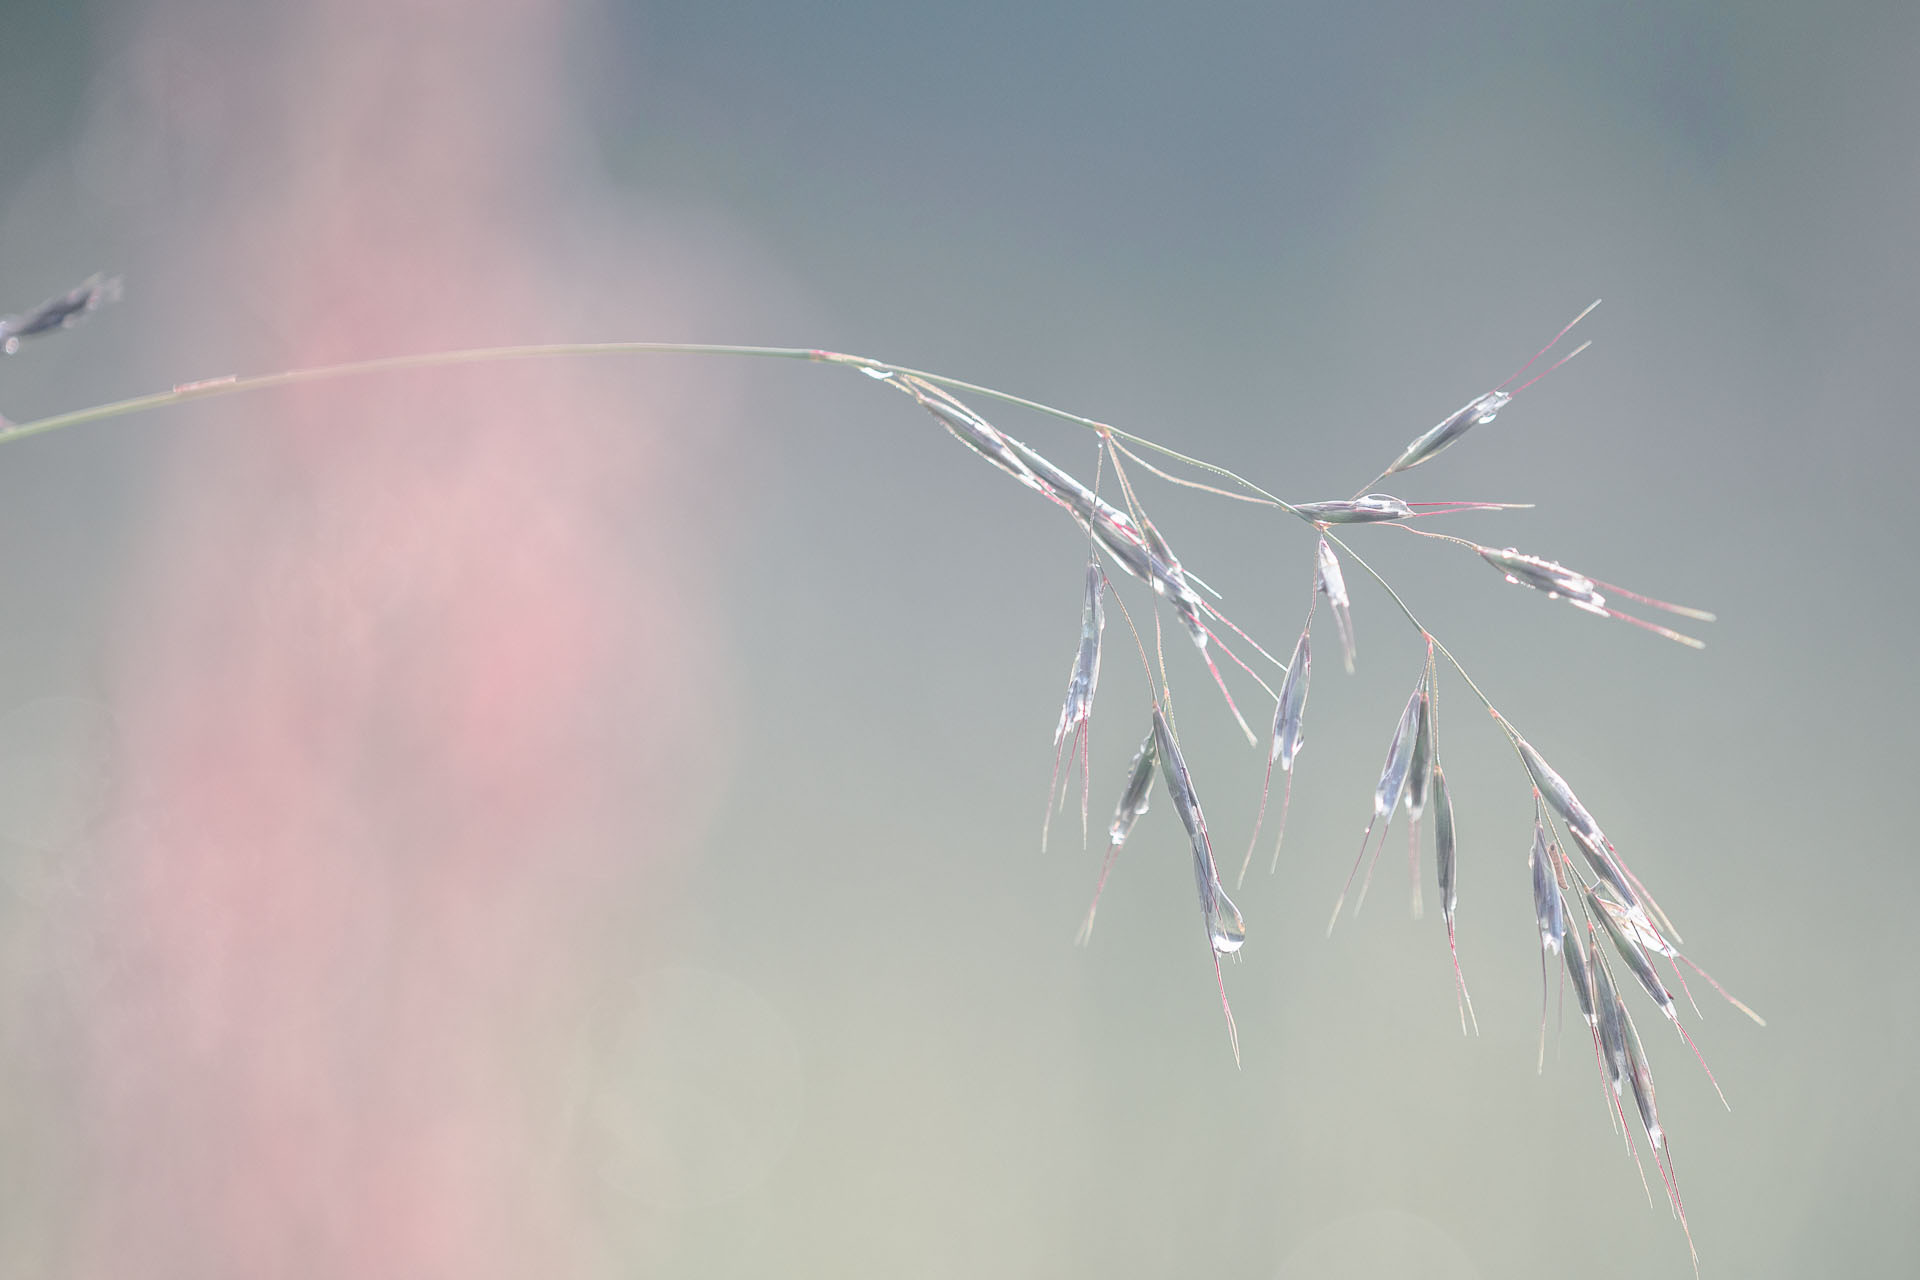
<point x="584" y="820"/>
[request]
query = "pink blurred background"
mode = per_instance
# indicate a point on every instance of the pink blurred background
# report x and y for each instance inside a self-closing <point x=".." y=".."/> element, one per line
<point x="582" y="818"/>
<point x="417" y="693"/>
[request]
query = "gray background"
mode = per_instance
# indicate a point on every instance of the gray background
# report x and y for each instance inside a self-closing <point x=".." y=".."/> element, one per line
<point x="801" y="996"/>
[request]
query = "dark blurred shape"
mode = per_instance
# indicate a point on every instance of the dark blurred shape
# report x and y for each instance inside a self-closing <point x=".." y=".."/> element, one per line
<point x="62" y="311"/>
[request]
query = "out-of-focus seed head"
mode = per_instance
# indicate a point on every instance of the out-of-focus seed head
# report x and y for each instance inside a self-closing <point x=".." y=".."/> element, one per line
<point x="63" y="311"/>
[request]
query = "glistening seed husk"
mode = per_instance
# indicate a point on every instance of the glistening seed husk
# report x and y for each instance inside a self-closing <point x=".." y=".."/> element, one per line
<point x="969" y="428"/>
<point x="1374" y="508"/>
<point x="1084" y="678"/>
<point x="1393" y="775"/>
<point x="1444" y="852"/>
<point x="1575" y="954"/>
<point x="1476" y="412"/>
<point x="1548" y="913"/>
<point x="1586" y="832"/>
<point x="1133" y="803"/>
<point x="1420" y="771"/>
<point x="1445" y="866"/>
<point x="1076" y="712"/>
<point x="1641" y="1076"/>
<point x="1135" y="796"/>
<point x="1224" y="926"/>
<point x="1386" y="795"/>
<point x="1289" y="708"/>
<point x="1333" y="585"/>
<point x="1637" y="926"/>
<point x="63" y="311"/>
<point x="1582" y="592"/>
<point x="1556" y="580"/>
<point x="1634" y="956"/>
<point x="1144" y="555"/>
<point x="1289" y="712"/>
<point x="1225" y="930"/>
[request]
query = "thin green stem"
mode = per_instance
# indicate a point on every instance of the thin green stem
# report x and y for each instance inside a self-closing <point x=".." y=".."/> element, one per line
<point x="215" y="388"/>
<point x="1411" y="617"/>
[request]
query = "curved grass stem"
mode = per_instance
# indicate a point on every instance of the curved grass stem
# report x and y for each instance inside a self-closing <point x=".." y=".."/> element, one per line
<point x="231" y="385"/>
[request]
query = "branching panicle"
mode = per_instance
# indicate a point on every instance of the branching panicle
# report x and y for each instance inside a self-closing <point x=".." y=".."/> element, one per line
<point x="1610" y="898"/>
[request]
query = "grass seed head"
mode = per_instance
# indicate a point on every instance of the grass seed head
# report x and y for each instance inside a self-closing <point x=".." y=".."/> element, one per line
<point x="1445" y="853"/>
<point x="1548" y="912"/>
<point x="1076" y="712"/>
<point x="1476" y="412"/>
<point x="1634" y="956"/>
<point x="1482" y="409"/>
<point x="1084" y="677"/>
<point x="1290" y="711"/>
<point x="1333" y="585"/>
<point x="1374" y="508"/>
<point x="1582" y="592"/>
<point x="1613" y="1019"/>
<point x="1133" y="803"/>
<point x="1136" y="795"/>
<point x="1635" y="924"/>
<point x="1225" y="929"/>
<point x="1420" y="771"/>
<point x="1386" y="797"/>
<point x="1446" y="867"/>
<point x="1575" y="954"/>
<point x="1065" y="486"/>
<point x="1586" y="832"/>
<point x="1640" y="1075"/>
<point x="1143" y="554"/>
<point x="1558" y="581"/>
